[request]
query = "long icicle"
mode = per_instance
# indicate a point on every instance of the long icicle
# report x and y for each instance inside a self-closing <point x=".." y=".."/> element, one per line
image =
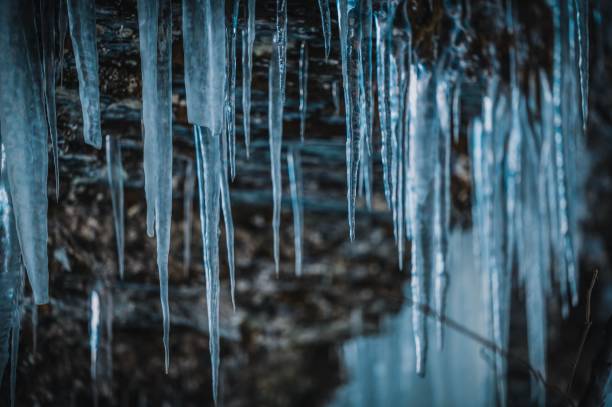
<point x="82" y="19"/>
<point x="382" y="72"/>
<point x="352" y="75"/>
<point x="208" y="161"/>
<point x="275" y="126"/>
<point x="114" y="169"/>
<point x="155" y="23"/>
<point x="248" y="39"/>
<point x="423" y="148"/>
<point x="295" y="185"/>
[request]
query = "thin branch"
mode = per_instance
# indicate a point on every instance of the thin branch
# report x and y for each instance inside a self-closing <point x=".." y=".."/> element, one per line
<point x="585" y="333"/>
<point x="430" y="312"/>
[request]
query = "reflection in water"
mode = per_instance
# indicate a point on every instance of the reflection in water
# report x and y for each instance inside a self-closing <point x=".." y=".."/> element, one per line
<point x="380" y="369"/>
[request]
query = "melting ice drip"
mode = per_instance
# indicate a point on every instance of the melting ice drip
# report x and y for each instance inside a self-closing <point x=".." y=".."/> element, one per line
<point x="522" y="146"/>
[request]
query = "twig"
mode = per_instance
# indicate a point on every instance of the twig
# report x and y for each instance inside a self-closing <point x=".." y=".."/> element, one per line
<point x="430" y="312"/>
<point x="585" y="333"/>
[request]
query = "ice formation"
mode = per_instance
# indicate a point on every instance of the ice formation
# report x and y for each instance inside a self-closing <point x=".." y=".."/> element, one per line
<point x="297" y="206"/>
<point x="82" y="19"/>
<point x="248" y="39"/>
<point x="230" y="98"/>
<point x="115" y="183"/>
<point x="155" y="28"/>
<point x="523" y="142"/>
<point x="276" y="100"/>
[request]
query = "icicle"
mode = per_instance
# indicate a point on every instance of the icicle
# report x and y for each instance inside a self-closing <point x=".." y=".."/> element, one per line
<point x="147" y="21"/>
<point x="442" y="203"/>
<point x="295" y="183"/>
<point x="382" y="73"/>
<point x="303" y="79"/>
<point x="423" y="150"/>
<point x="94" y="330"/>
<point x="226" y="206"/>
<point x="48" y="29"/>
<point x="566" y="258"/>
<point x="82" y="18"/>
<point x="62" y="24"/>
<point x="248" y="38"/>
<point x="365" y="148"/>
<point x="11" y="276"/>
<point x="188" y="190"/>
<point x="230" y="102"/>
<point x="533" y="246"/>
<point x="115" y="182"/>
<point x="325" y="25"/>
<point x="488" y="138"/>
<point x="582" y="20"/>
<point x="275" y="126"/>
<point x="204" y="52"/>
<point x="281" y="43"/>
<point x="155" y="23"/>
<point x="354" y="98"/>
<point x="366" y="27"/>
<point x="24" y="137"/>
<point x="208" y="160"/>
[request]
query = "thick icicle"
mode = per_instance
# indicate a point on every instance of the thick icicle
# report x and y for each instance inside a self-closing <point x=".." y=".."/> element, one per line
<point x="230" y="98"/>
<point x="94" y="330"/>
<point x="155" y="23"/>
<point x="295" y="185"/>
<point x="188" y="190"/>
<point x="248" y="38"/>
<point x="354" y="98"/>
<point x="423" y="150"/>
<point x="275" y="129"/>
<point x="11" y="275"/>
<point x="325" y="25"/>
<point x="303" y="79"/>
<point x="82" y="18"/>
<point x="208" y="159"/>
<point x="204" y="51"/>
<point x="24" y="137"/>
<point x="115" y="182"/>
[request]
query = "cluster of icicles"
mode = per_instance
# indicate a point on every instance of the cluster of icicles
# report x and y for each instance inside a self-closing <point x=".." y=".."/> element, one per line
<point x="522" y="146"/>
